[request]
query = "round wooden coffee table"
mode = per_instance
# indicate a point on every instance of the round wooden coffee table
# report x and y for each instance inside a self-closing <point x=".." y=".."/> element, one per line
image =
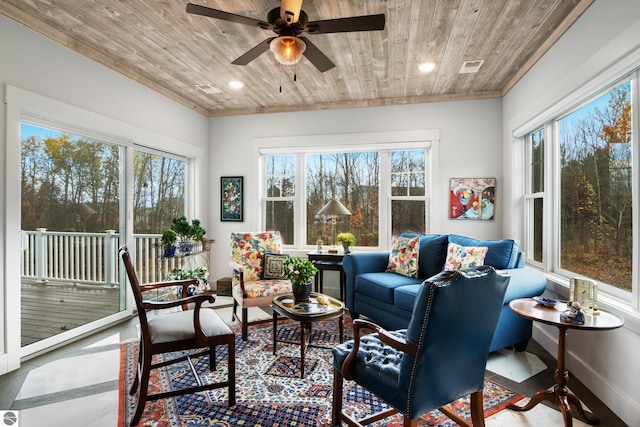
<point x="306" y="313"/>
<point x="561" y="395"/>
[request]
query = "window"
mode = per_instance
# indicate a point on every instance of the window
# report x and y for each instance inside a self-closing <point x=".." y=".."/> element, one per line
<point x="366" y="182"/>
<point x="534" y="194"/>
<point x="280" y="196"/>
<point x="589" y="156"/>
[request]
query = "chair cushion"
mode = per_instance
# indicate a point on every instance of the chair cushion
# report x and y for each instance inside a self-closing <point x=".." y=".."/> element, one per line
<point x="403" y="258"/>
<point x="273" y="266"/>
<point x="178" y="326"/>
<point x="377" y="366"/>
<point x="264" y="288"/>
<point x="463" y="257"/>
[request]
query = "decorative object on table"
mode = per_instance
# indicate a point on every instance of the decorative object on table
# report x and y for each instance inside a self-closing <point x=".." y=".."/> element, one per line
<point x="546" y="302"/>
<point x="585" y="292"/>
<point x="231" y="201"/>
<point x="573" y="313"/>
<point x="319" y="243"/>
<point x="169" y="240"/>
<point x="301" y="273"/>
<point x="188" y="233"/>
<point x="472" y="198"/>
<point x="346" y="240"/>
<point x="332" y="210"/>
<point x="263" y="379"/>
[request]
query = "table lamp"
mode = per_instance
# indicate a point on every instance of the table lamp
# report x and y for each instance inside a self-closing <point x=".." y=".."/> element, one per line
<point x="333" y="209"/>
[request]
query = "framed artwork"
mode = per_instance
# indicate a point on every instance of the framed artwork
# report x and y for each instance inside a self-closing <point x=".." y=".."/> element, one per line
<point x="472" y="198"/>
<point x="231" y="202"/>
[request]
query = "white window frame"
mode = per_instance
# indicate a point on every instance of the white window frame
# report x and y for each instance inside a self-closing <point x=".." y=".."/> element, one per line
<point x="608" y="295"/>
<point x="340" y="143"/>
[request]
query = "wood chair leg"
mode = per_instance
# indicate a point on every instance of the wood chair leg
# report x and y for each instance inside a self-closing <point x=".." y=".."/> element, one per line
<point x="212" y="358"/>
<point x="245" y="321"/>
<point x="231" y="374"/>
<point x="134" y="385"/>
<point x="408" y="422"/>
<point x="477" y="409"/>
<point x="235" y="310"/>
<point x="336" y="406"/>
<point x="144" y="384"/>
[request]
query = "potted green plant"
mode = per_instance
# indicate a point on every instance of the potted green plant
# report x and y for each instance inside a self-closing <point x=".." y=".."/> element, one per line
<point x="199" y="273"/>
<point x="188" y="233"/>
<point x="168" y="241"/>
<point x="300" y="272"/>
<point x="346" y="240"/>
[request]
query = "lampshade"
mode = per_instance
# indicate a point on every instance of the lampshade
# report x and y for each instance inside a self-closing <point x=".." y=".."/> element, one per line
<point x="334" y="207"/>
<point x="287" y="49"/>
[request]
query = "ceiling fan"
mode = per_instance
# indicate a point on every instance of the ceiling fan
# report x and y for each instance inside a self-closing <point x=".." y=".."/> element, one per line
<point x="289" y="21"/>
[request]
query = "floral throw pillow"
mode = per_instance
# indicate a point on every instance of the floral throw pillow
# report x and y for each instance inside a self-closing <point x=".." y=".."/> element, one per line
<point x="403" y="258"/>
<point x="462" y="257"/>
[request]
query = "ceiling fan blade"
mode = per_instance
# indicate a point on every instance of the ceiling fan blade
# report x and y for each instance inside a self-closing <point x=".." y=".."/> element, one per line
<point x="346" y="25"/>
<point x="316" y="57"/>
<point x="258" y="50"/>
<point x="226" y="16"/>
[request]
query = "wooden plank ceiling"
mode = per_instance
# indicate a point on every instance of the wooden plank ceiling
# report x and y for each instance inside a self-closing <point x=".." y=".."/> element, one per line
<point x="158" y="44"/>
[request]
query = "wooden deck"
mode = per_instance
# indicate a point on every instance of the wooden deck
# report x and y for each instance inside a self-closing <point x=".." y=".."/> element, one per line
<point x="52" y="308"/>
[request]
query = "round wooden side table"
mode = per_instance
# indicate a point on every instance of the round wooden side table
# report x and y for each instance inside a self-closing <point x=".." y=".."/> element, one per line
<point x="561" y="395"/>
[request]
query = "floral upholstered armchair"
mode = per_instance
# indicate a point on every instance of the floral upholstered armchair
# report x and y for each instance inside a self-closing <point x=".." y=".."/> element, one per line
<point x="258" y="276"/>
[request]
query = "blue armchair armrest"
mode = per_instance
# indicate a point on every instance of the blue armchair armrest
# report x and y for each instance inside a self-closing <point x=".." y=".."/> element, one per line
<point x="357" y="263"/>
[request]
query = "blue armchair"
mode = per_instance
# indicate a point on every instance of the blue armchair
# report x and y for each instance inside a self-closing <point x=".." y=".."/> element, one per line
<point x="440" y="357"/>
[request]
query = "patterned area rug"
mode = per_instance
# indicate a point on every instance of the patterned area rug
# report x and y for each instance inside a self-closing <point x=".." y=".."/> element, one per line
<point x="269" y="390"/>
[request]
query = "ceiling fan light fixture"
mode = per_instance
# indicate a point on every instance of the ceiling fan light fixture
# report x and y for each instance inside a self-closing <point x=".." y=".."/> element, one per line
<point x="288" y="50"/>
<point x="236" y="84"/>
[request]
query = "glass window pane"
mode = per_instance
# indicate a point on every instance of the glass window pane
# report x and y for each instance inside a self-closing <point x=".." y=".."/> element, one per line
<point x="596" y="189"/>
<point x="407" y="215"/>
<point x="538" y="222"/>
<point x="70" y="196"/>
<point x="158" y="192"/>
<point x="408" y="173"/>
<point x="352" y="178"/>
<point x="537" y="161"/>
<point x="281" y="171"/>
<point x="279" y="216"/>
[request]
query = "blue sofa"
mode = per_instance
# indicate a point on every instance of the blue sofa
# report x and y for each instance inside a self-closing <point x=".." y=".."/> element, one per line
<point x="387" y="298"/>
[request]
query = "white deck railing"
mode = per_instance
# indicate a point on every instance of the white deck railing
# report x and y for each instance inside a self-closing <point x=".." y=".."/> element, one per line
<point x="92" y="258"/>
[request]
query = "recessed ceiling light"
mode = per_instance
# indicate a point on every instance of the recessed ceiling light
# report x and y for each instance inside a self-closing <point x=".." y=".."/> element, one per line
<point x="236" y="84"/>
<point x="425" y="67"/>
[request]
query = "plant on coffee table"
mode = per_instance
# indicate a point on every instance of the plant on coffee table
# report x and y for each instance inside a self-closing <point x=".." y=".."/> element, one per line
<point x="300" y="272"/>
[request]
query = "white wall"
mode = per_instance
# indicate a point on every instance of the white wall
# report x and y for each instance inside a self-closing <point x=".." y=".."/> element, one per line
<point x="470" y="146"/>
<point x="605" y="41"/>
<point x="124" y="108"/>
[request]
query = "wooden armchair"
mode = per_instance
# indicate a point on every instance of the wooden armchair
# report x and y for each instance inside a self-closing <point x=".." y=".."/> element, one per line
<point x="177" y="331"/>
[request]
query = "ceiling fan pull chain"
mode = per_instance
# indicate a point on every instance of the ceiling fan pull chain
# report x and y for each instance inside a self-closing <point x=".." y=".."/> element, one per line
<point x="295" y="72"/>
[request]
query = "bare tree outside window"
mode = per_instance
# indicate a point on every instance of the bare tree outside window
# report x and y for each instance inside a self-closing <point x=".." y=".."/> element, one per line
<point x="596" y="189"/>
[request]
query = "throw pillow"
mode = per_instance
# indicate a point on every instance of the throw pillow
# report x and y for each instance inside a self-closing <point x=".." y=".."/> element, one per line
<point x="462" y="257"/>
<point x="273" y="266"/>
<point x="403" y="258"/>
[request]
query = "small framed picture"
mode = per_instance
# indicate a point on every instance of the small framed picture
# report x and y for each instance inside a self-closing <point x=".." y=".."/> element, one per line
<point x="231" y="200"/>
<point x="585" y="292"/>
<point x="472" y="198"/>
